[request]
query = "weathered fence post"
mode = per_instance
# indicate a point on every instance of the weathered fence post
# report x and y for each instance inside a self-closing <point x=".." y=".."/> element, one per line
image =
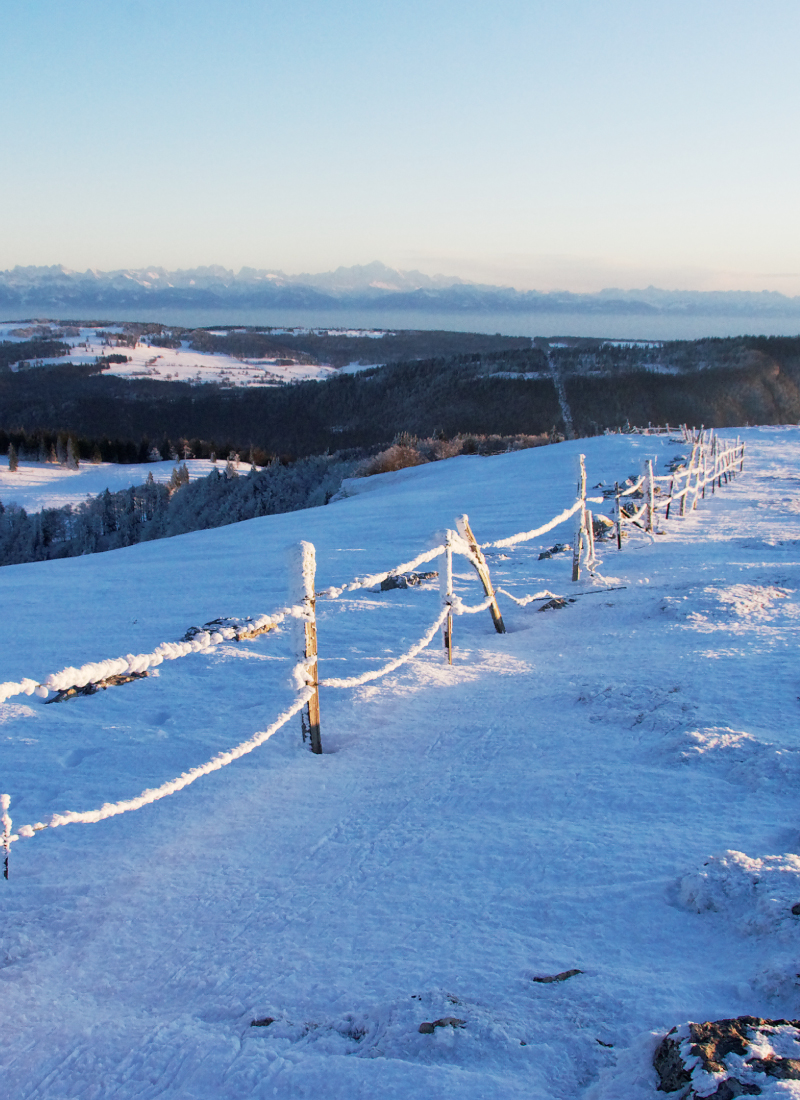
<point x="446" y="589"/>
<point x="689" y="473"/>
<point x="5" y="802"/>
<point x="741" y="460"/>
<point x="704" y="460"/>
<point x="651" y="492"/>
<point x="577" y="547"/>
<point x="588" y="526"/>
<point x="714" y="449"/>
<point x="669" y="496"/>
<point x="306" y="569"/>
<point x="619" y="515"/>
<point x="482" y="569"/>
<point x="700" y="473"/>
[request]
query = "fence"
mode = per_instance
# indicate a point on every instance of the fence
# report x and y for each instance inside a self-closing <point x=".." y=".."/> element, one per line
<point x="711" y="461"/>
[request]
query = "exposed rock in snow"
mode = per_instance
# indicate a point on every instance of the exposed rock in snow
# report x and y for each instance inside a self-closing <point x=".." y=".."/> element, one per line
<point x="427" y="1028"/>
<point x="559" y="548"/>
<point x="726" y="1058"/>
<point x="407" y="580"/>
<point x="562" y="977"/>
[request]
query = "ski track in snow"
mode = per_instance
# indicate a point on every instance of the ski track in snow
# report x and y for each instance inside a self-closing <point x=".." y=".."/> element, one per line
<point x="610" y="787"/>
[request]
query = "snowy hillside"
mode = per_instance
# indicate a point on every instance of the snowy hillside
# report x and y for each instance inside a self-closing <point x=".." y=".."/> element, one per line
<point x="609" y="789"/>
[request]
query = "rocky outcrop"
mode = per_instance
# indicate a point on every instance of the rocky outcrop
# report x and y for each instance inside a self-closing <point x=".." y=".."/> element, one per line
<point x="721" y="1059"/>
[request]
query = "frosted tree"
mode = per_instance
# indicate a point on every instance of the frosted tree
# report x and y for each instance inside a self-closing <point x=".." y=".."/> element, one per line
<point x="73" y="462"/>
<point x="13" y="461"/>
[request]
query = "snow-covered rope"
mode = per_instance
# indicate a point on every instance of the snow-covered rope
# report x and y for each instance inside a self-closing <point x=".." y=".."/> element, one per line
<point x="637" y="515"/>
<point x="632" y="488"/>
<point x="523" y="601"/>
<point x="95" y="671"/>
<point x="333" y="593"/>
<point x="458" y="606"/>
<point x="111" y="809"/>
<point x="374" y="674"/>
<point x="526" y="536"/>
<point x="20" y="687"/>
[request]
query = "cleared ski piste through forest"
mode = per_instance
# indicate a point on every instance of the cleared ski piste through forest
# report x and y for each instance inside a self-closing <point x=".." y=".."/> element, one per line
<point x="550" y="802"/>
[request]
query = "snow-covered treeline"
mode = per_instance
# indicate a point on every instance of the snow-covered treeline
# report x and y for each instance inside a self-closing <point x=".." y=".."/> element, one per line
<point x="153" y="511"/>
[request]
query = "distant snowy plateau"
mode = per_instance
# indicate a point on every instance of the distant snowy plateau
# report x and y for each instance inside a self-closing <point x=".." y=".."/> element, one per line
<point x="609" y="789"/>
<point x="372" y="286"/>
<point x="160" y="364"/>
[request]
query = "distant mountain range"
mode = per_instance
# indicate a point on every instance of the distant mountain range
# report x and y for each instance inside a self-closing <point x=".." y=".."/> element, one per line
<point x="66" y="293"/>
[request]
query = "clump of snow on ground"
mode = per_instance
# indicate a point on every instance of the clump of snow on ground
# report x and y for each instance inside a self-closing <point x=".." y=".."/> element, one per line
<point x="755" y="894"/>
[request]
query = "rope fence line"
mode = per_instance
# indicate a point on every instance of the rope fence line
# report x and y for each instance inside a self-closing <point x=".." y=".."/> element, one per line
<point x="706" y="453"/>
<point x="710" y="462"/>
<point x="96" y="671"/>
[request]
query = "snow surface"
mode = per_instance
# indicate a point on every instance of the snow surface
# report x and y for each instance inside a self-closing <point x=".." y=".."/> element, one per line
<point x="37" y="485"/>
<point x="176" y="364"/>
<point x="611" y="788"/>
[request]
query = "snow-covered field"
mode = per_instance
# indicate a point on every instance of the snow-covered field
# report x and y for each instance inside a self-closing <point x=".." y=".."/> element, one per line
<point x="176" y="364"/>
<point x="610" y="788"/>
<point x="37" y="485"/>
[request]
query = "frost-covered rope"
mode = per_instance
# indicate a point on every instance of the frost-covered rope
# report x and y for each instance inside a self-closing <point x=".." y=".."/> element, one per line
<point x="19" y="687"/>
<point x="523" y="601"/>
<point x="632" y="488"/>
<point x="374" y="674"/>
<point x="111" y="809"/>
<point x="333" y="593"/>
<point x="637" y="515"/>
<point x="458" y="606"/>
<point x="95" y="671"/>
<point x="526" y="536"/>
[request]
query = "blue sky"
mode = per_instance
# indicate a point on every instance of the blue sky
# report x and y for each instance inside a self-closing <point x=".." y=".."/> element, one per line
<point x="565" y="143"/>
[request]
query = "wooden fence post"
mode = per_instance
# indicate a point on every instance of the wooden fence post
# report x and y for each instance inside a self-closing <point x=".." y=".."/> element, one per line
<point x="700" y="473"/>
<point x="704" y="458"/>
<point x="741" y="460"/>
<point x="619" y="515"/>
<point x="446" y="589"/>
<point x="5" y="802"/>
<point x="482" y="569"/>
<point x="577" y="547"/>
<point x="651" y="492"/>
<point x="588" y="526"/>
<point x="689" y="473"/>
<point x="713" y="474"/>
<point x="309" y="715"/>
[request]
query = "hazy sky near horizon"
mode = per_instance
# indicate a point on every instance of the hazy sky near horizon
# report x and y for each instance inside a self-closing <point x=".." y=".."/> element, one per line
<point x="572" y="144"/>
